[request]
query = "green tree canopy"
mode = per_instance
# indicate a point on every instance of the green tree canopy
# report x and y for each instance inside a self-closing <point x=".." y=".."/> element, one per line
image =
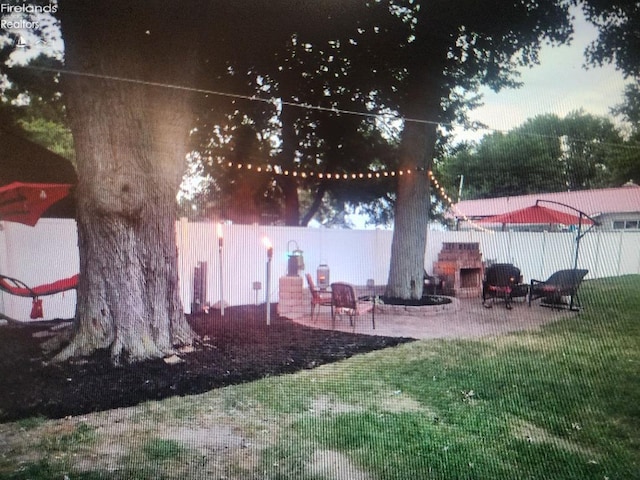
<point x="587" y="144"/>
<point x="618" y="41"/>
<point x="626" y="165"/>
<point x="545" y="154"/>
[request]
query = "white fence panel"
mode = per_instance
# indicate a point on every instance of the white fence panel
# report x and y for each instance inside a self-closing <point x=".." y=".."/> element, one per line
<point x="49" y="252"/>
<point x="38" y="255"/>
<point x="352" y="255"/>
<point x="629" y="255"/>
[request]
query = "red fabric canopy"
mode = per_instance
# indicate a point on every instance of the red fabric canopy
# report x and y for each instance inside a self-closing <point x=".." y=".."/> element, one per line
<point x="537" y="214"/>
<point x="26" y="202"/>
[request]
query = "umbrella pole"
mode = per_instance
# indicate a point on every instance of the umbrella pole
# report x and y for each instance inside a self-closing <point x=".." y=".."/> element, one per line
<point x="580" y="234"/>
<point x="575" y="261"/>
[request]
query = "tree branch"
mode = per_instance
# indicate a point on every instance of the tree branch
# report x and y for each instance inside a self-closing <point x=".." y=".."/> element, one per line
<point x="315" y="205"/>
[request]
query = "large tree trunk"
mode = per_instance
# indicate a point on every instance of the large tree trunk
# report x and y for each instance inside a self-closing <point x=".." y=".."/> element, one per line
<point x="417" y="149"/>
<point x="130" y="143"/>
<point x="406" y="269"/>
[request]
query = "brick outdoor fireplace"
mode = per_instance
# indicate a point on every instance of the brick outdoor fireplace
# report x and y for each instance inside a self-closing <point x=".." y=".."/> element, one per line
<point x="460" y="266"/>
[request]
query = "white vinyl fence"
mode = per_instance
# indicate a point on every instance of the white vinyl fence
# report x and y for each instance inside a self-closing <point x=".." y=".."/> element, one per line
<point x="49" y="252"/>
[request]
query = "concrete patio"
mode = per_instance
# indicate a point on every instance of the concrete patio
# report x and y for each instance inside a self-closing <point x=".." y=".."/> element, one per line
<point x="463" y="318"/>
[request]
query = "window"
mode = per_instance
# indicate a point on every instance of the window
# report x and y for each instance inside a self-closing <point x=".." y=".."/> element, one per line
<point x="626" y="224"/>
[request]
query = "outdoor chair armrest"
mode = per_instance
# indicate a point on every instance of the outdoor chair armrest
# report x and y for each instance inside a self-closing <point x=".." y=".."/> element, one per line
<point x="538" y="285"/>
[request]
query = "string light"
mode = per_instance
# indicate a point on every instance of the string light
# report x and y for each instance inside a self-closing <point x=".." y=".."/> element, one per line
<point x="451" y="205"/>
<point x="368" y="175"/>
<point x="278" y="170"/>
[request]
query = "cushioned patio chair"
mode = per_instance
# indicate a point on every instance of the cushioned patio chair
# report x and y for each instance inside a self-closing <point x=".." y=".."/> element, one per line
<point x="319" y="298"/>
<point x="345" y="302"/>
<point x="563" y="283"/>
<point x="504" y="281"/>
<point x="17" y="287"/>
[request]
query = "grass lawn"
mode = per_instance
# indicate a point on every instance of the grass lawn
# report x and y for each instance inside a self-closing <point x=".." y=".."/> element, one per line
<point x="562" y="402"/>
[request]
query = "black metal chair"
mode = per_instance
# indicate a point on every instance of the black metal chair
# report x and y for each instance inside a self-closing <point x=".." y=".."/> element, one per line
<point x="502" y="280"/>
<point x="563" y="283"/>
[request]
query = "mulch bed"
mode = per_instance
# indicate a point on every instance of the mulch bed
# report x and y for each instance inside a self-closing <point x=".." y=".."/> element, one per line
<point x="237" y="348"/>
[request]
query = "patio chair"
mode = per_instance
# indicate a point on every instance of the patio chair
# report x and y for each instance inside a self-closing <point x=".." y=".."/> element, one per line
<point x="345" y="302"/>
<point x="319" y="298"/>
<point x="502" y="280"/>
<point x="563" y="283"/>
<point x="17" y="287"/>
<point x="433" y="285"/>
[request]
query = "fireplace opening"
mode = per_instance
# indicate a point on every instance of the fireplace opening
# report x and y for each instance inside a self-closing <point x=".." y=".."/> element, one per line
<point x="469" y="277"/>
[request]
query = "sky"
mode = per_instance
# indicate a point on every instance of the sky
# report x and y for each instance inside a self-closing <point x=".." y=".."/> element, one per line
<point x="560" y="85"/>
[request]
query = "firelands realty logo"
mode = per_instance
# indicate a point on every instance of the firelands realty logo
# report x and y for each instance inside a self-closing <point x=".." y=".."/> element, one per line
<point x="12" y="15"/>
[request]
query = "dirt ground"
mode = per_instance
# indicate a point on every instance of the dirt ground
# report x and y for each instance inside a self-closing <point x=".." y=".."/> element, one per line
<point x="236" y="348"/>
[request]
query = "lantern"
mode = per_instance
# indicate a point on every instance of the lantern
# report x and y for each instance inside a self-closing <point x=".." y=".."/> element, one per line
<point x="296" y="260"/>
<point x="322" y="275"/>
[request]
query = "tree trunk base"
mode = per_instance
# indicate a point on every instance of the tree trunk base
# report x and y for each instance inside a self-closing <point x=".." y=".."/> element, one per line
<point x="83" y="346"/>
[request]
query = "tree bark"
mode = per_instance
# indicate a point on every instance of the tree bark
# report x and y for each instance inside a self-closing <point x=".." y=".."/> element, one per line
<point x="291" y="202"/>
<point x="289" y="185"/>
<point x="131" y="141"/>
<point x="315" y="205"/>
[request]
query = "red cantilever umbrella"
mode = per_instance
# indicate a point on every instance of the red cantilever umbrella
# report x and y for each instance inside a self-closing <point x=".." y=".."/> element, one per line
<point x="26" y="202"/>
<point x="537" y="214"/>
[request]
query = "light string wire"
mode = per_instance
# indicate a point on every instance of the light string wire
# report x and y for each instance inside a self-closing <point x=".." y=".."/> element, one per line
<point x="278" y="170"/>
<point x="254" y="98"/>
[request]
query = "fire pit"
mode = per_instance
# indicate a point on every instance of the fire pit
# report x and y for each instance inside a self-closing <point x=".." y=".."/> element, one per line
<point x="428" y="305"/>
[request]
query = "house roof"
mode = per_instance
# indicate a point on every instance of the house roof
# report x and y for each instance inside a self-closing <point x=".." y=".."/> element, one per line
<point x="625" y="199"/>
